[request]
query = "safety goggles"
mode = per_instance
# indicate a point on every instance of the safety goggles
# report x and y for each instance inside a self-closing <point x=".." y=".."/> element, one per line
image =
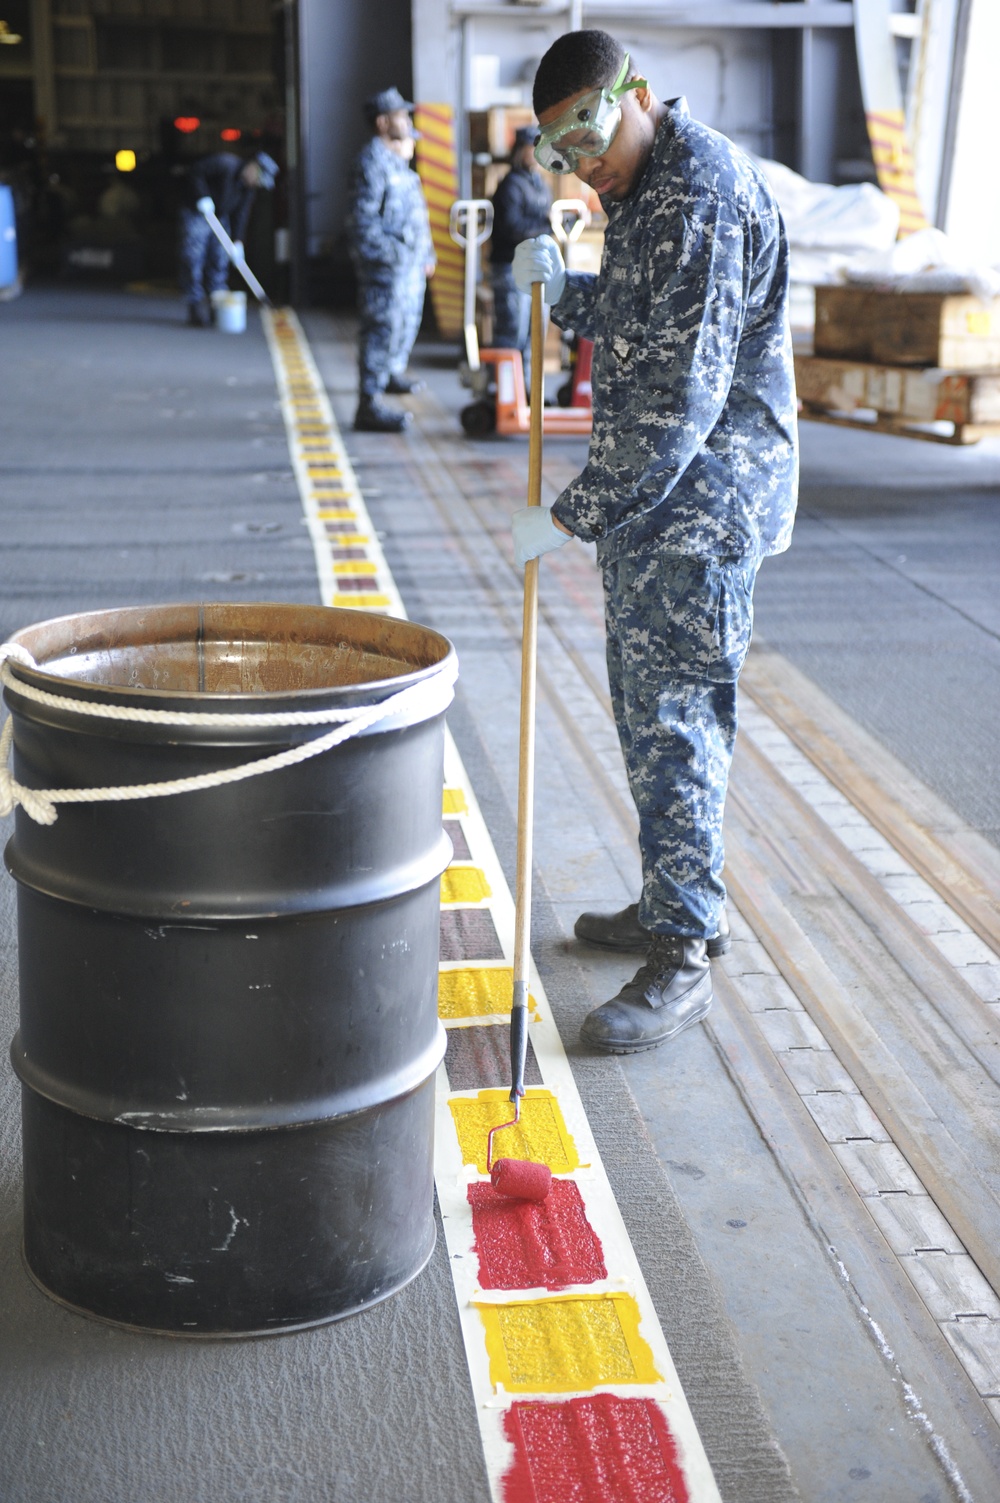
<point x="587" y="128"/>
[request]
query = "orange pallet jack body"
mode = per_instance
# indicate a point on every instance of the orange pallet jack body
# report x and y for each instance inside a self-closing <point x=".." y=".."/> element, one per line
<point x="511" y="404"/>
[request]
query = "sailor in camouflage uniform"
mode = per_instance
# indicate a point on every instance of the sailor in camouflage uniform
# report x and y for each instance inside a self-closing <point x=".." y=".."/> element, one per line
<point x="690" y="481"/>
<point x="393" y="256"/>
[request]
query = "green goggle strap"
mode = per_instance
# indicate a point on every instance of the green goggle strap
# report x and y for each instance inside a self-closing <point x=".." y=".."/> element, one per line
<point x="620" y="87"/>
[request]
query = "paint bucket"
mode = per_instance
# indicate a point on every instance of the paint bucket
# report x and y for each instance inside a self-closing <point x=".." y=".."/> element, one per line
<point x="229" y="1028"/>
<point x="230" y="311"/>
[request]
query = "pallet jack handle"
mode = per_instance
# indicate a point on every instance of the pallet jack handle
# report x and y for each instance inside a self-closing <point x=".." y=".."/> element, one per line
<point x="559" y="213"/>
<point x="238" y="261"/>
<point x="469" y="231"/>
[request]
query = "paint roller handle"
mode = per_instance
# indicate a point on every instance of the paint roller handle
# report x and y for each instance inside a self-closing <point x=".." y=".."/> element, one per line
<point x="518" y="1040"/>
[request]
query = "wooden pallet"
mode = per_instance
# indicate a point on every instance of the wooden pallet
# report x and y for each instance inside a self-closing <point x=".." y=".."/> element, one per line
<point x="948" y="332"/>
<point x="946" y="407"/>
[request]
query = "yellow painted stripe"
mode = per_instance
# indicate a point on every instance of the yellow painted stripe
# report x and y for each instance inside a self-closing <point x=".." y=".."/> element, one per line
<point x="566" y="1344"/>
<point x="541" y="1135"/>
<point x="476" y="992"/>
<point x="432" y="151"/>
<point x="464" y="884"/>
<point x="363" y="602"/>
<point x="453" y="801"/>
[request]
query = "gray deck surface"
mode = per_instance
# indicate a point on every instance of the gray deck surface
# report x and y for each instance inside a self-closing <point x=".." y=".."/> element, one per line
<point x="143" y="462"/>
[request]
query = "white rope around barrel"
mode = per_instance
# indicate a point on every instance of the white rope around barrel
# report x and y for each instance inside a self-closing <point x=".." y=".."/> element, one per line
<point x="429" y="696"/>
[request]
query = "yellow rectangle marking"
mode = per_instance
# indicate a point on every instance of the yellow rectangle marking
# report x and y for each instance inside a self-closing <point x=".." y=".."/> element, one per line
<point x="464" y="884"/>
<point x="355" y="566"/>
<point x="566" y="1345"/>
<point x="453" y="801"/>
<point x="475" y="991"/>
<point x="361" y="602"/>
<point x="541" y="1135"/>
<point x="336" y="514"/>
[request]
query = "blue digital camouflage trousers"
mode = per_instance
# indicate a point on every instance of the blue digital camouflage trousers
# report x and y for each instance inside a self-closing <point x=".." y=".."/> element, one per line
<point x="678" y="630"/>
<point x="511" y="310"/>
<point x="202" y="263"/>
<point x="389" y="310"/>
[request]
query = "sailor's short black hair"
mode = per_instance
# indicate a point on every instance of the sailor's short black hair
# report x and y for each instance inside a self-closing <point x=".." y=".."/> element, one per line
<point x="576" y="61"/>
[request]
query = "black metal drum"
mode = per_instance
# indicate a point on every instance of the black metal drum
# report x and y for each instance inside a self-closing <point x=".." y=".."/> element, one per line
<point x="229" y="1028"/>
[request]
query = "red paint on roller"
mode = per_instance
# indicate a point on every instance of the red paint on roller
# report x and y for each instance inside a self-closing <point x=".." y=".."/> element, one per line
<point x="599" y="1449"/>
<point x="519" y="1179"/>
<point x="524" y="1244"/>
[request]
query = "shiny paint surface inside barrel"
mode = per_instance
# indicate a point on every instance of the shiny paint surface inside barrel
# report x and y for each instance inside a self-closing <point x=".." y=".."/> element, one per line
<point x="228" y="998"/>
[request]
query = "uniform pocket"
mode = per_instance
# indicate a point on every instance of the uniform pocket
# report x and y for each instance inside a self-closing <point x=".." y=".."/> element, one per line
<point x="685" y="618"/>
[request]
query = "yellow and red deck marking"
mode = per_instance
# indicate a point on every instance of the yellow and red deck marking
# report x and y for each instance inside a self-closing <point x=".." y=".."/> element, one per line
<point x="575" y="1388"/>
<point x="351" y="566"/>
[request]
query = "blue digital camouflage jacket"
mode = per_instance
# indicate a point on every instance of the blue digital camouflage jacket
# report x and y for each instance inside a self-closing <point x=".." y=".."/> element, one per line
<point x="388" y="225"/>
<point x="694" y="445"/>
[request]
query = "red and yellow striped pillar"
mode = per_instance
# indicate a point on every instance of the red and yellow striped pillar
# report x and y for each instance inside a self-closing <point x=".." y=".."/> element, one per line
<point x="437" y="166"/>
<point x="894" y="166"/>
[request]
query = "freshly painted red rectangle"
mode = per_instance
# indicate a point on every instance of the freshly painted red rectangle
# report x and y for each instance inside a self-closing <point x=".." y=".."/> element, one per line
<point x="524" y="1244"/>
<point x="598" y="1449"/>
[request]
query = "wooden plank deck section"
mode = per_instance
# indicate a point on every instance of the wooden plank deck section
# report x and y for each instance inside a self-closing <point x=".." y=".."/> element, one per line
<point x="956" y="860"/>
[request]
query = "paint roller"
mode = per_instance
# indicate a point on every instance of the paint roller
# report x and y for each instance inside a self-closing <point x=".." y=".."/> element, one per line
<point x="520" y="1179"/>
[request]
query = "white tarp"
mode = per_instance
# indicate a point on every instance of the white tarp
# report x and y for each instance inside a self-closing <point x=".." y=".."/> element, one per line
<point x="849" y="234"/>
<point x="928" y="261"/>
<point x="828" y="227"/>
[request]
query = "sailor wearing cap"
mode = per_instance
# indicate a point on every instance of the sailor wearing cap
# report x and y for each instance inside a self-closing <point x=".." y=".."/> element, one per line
<point x="393" y="256"/>
<point x="521" y="207"/>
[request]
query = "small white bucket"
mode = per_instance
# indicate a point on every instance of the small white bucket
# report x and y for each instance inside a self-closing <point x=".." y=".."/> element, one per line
<point x="230" y="312"/>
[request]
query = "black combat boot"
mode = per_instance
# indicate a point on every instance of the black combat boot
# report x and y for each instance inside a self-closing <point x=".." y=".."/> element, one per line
<point x="623" y="931"/>
<point x="665" y="996"/>
<point x="200" y="314"/>
<point x="373" y="417"/>
<point x="403" y="386"/>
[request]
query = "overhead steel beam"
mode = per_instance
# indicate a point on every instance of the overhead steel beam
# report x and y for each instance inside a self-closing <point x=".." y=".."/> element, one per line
<point x="768" y="15"/>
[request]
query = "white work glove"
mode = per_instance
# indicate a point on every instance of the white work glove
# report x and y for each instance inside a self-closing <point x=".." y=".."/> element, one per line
<point x="540" y="261"/>
<point x="238" y="250"/>
<point x="535" y="533"/>
<point x="205" y="205"/>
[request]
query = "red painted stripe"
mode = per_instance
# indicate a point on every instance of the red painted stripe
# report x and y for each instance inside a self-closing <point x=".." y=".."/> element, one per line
<point x="522" y="1244"/>
<point x="598" y="1449"/>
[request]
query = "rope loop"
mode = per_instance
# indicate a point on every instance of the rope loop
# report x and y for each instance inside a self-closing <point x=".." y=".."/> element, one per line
<point x="430" y="696"/>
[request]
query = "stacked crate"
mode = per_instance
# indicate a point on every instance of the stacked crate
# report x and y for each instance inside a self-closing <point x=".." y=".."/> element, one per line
<point x="923" y="364"/>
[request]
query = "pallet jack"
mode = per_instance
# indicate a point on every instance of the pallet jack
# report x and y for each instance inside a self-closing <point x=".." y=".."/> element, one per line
<point x="497" y="376"/>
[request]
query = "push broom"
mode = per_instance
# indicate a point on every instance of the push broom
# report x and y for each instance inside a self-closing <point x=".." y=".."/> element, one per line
<point x="519" y="1178"/>
<point x="238" y="260"/>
